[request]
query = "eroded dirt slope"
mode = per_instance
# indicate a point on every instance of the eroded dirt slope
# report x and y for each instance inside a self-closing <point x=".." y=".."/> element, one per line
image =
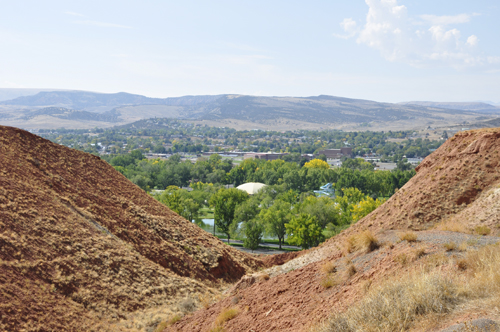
<point x="458" y="184"/>
<point x="81" y="245"/>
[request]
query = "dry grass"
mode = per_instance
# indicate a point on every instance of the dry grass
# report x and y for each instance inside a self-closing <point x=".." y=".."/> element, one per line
<point x="171" y="321"/>
<point x="452" y="226"/>
<point x="225" y="315"/>
<point x="408" y="236"/>
<point x="482" y="230"/>
<point x="187" y="305"/>
<point x="398" y="304"/>
<point x="362" y="241"/>
<point x="328" y="267"/>
<point x="402" y="259"/>
<point x="463" y="246"/>
<point x="207" y="299"/>
<point x="418" y="253"/>
<point x="449" y="246"/>
<point x="350" y="271"/>
<point x="329" y="281"/>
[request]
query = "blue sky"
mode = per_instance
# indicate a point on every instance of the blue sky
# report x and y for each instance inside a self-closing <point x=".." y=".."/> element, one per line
<point x="383" y="50"/>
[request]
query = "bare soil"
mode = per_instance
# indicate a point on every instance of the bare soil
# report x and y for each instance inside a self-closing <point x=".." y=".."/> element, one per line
<point x="82" y="248"/>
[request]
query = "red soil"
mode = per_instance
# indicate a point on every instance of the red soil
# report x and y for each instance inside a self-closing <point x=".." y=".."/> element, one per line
<point x="81" y="245"/>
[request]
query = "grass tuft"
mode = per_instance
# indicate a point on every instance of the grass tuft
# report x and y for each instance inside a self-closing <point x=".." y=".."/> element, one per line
<point x="408" y="236"/>
<point x="328" y="267"/>
<point x="482" y="230"/>
<point x="328" y="281"/>
<point x="171" y="321"/>
<point x="449" y="246"/>
<point x="226" y="315"/>
<point x="350" y="271"/>
<point x="362" y="241"/>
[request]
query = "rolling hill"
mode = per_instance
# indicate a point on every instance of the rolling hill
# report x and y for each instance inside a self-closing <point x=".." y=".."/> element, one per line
<point x="236" y="111"/>
<point x="464" y="106"/>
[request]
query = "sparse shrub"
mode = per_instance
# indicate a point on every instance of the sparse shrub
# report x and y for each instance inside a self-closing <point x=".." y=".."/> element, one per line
<point x="350" y="270"/>
<point x="161" y="326"/>
<point x="187" y="305"/>
<point x="171" y="321"/>
<point x="396" y="305"/>
<point x="328" y="267"/>
<point x="482" y="230"/>
<point x="462" y="264"/>
<point x="217" y="329"/>
<point x="449" y="246"/>
<point x="328" y="281"/>
<point x="362" y="241"/>
<point x="418" y="253"/>
<point x="226" y="315"/>
<point x="408" y="236"/>
<point x="402" y="259"/>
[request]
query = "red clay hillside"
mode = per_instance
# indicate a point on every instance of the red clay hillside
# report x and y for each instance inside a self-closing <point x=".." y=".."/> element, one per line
<point x="82" y="248"/>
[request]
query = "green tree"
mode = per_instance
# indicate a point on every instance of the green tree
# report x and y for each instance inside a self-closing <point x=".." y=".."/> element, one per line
<point x="303" y="230"/>
<point x="275" y="218"/>
<point x="364" y="207"/>
<point x="253" y="235"/>
<point x="225" y="202"/>
<point x="322" y="208"/>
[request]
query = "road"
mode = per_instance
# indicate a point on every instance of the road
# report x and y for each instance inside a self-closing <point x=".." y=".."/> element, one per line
<point x="263" y="250"/>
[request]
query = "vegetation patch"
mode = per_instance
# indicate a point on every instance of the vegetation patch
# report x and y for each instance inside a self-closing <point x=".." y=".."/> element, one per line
<point x="482" y="230"/>
<point x="398" y="304"/>
<point x="408" y="236"/>
<point x="225" y="315"/>
<point x="362" y="241"/>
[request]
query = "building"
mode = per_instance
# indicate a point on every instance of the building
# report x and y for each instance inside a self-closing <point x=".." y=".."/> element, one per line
<point x="265" y="156"/>
<point x="336" y="153"/>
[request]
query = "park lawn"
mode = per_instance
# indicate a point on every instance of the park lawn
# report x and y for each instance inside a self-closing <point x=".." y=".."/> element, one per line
<point x="206" y="213"/>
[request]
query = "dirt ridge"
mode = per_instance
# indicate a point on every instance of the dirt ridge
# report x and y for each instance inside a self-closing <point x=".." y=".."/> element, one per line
<point x="81" y="247"/>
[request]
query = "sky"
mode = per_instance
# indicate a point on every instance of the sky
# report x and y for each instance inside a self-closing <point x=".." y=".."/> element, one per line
<point x="382" y="50"/>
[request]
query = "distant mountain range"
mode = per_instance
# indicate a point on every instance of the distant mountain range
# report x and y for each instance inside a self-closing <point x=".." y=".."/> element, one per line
<point x="234" y="110"/>
<point x="464" y="106"/>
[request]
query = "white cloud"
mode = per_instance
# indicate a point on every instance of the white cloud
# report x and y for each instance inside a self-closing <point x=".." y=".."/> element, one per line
<point x="102" y="24"/>
<point x="349" y="26"/>
<point x="472" y="40"/>
<point x="391" y="30"/>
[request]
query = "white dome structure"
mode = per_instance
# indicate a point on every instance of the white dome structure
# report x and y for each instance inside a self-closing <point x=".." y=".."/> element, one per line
<point x="251" y="187"/>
